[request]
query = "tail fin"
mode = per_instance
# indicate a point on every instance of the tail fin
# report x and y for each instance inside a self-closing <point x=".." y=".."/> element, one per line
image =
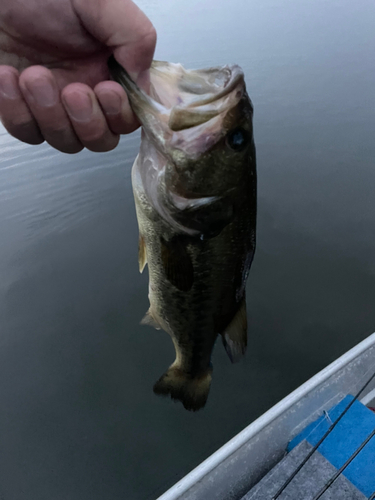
<point x="191" y="391"/>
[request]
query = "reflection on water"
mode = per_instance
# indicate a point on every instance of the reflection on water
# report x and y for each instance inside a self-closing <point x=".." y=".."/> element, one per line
<point x="79" y="419"/>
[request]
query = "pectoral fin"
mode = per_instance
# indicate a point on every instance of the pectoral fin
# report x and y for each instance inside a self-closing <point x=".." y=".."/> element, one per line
<point x="149" y="320"/>
<point x="142" y="257"/>
<point x="207" y="216"/>
<point x="235" y="335"/>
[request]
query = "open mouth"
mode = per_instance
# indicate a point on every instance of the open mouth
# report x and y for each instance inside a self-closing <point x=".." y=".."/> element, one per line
<point x="193" y="97"/>
<point x="180" y="99"/>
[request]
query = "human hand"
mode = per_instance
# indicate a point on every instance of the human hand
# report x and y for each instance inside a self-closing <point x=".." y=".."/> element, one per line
<point x="53" y="70"/>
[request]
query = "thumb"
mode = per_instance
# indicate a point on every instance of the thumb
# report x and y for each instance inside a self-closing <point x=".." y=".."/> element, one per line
<point x="125" y="29"/>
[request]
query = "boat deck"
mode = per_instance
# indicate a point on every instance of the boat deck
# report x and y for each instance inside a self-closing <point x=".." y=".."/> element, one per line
<point x="236" y="470"/>
<point x="310" y="481"/>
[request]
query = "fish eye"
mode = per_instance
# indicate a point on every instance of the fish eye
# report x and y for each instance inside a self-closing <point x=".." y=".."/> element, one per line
<point x="238" y="139"/>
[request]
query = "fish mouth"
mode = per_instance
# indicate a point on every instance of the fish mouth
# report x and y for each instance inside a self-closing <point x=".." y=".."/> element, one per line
<point x="180" y="99"/>
<point x="194" y="97"/>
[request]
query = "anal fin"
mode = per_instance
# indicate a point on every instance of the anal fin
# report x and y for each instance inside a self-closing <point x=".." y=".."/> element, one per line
<point x="142" y="256"/>
<point x="235" y="334"/>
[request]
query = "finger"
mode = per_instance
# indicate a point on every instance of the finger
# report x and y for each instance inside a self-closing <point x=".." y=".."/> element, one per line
<point x="116" y="108"/>
<point x="42" y="95"/>
<point x="87" y="118"/>
<point x="14" y="112"/>
<point x="122" y="26"/>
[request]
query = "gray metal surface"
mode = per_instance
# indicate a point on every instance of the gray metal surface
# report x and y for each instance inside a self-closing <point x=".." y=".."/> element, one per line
<point x="309" y="481"/>
<point x="229" y="473"/>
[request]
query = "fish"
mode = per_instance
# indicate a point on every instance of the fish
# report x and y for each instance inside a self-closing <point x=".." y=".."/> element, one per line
<point x="194" y="184"/>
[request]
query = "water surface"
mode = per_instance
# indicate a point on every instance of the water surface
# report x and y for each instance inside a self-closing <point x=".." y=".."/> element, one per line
<point x="78" y="418"/>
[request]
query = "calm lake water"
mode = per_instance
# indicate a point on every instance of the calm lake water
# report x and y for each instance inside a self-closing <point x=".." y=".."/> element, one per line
<point x="78" y="418"/>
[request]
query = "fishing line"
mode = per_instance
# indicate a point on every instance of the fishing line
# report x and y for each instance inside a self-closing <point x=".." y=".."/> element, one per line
<point x="349" y="461"/>
<point x="330" y="429"/>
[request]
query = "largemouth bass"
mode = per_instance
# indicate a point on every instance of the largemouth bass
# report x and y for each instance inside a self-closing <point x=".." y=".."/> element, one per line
<point x="194" y="183"/>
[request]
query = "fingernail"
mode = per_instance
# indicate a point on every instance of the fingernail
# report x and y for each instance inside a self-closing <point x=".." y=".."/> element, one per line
<point x="9" y="86"/>
<point x="42" y="92"/>
<point x="110" y="102"/>
<point x="79" y="105"/>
